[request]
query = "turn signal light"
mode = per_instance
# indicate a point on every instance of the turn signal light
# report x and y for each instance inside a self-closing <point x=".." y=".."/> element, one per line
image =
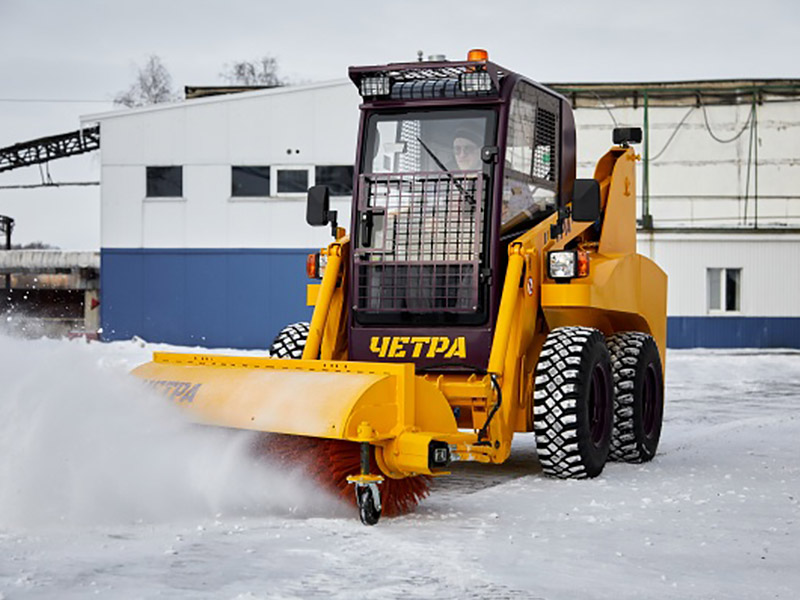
<point x="311" y="266"/>
<point x="315" y="265"/>
<point x="583" y="263"/>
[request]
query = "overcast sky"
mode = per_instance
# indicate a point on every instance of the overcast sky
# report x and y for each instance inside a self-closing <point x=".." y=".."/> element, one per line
<point x="56" y="52"/>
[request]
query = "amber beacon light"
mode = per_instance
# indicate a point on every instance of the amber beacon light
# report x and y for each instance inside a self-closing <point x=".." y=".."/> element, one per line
<point x="477" y="55"/>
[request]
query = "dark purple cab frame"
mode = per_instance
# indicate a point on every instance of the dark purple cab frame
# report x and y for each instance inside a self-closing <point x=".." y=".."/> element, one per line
<point x="478" y="336"/>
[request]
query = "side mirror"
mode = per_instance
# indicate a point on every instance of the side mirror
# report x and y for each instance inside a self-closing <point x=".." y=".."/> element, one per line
<point x="625" y="136"/>
<point x="318" y="208"/>
<point x="586" y="200"/>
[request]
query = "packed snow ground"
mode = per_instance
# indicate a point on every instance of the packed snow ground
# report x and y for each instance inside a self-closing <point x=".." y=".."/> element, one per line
<point x="104" y="490"/>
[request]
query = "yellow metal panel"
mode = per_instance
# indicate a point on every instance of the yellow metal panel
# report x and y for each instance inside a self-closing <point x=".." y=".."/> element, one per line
<point x="312" y="292"/>
<point x="321" y="310"/>
<point x="621" y="294"/>
<point x="314" y="398"/>
<point x="619" y="222"/>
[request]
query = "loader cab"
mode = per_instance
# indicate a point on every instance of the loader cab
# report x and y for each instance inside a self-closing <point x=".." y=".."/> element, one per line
<point x="420" y="235"/>
<point x="454" y="160"/>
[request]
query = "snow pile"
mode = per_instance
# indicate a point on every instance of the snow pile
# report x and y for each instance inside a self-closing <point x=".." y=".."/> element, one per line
<point x="83" y="442"/>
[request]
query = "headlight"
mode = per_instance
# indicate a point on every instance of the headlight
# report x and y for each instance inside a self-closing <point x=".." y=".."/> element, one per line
<point x="375" y="86"/>
<point x="563" y="265"/>
<point x="477" y="81"/>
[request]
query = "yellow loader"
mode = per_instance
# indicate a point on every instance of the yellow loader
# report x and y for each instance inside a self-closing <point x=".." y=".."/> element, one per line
<point x="482" y="290"/>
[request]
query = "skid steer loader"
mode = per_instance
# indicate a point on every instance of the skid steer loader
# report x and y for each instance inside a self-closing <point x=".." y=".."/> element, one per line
<point x="483" y="290"/>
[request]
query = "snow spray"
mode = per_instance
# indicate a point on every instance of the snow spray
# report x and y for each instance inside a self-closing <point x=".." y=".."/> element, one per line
<point x="82" y="442"/>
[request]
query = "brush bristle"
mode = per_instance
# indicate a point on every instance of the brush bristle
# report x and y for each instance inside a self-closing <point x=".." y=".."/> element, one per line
<point x="329" y="462"/>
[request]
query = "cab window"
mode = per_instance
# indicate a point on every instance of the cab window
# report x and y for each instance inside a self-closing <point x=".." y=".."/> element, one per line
<point x="531" y="161"/>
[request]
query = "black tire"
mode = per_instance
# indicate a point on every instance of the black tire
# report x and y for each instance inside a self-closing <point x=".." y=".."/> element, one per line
<point x="573" y="403"/>
<point x="369" y="508"/>
<point x="290" y="342"/>
<point x="639" y="404"/>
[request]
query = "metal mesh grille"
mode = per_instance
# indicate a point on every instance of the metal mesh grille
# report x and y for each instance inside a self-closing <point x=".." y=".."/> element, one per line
<point x="420" y="242"/>
<point x="413" y="72"/>
<point x="544" y="155"/>
<point x="435" y="88"/>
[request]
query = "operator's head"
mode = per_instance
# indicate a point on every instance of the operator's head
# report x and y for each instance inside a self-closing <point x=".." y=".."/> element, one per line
<point x="467" y="149"/>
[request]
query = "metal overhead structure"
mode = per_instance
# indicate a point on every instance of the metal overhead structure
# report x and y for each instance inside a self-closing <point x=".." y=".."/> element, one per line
<point x="698" y="94"/>
<point x="42" y="150"/>
<point x="6" y="227"/>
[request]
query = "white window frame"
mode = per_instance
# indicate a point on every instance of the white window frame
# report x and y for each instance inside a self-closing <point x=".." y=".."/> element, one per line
<point x="155" y="199"/>
<point x="273" y="184"/>
<point x="263" y="198"/>
<point x="723" y="272"/>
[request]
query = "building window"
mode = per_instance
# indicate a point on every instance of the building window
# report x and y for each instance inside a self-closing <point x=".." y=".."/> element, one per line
<point x="292" y="181"/>
<point x="724" y="289"/>
<point x="249" y="181"/>
<point x="338" y="178"/>
<point x="164" y="182"/>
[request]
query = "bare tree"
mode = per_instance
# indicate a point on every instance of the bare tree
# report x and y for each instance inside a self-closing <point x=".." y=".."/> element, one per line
<point x="34" y="246"/>
<point x="261" y="71"/>
<point x="153" y="85"/>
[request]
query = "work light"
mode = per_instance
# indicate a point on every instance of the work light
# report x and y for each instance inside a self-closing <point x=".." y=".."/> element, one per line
<point x="475" y="81"/>
<point x="376" y="86"/>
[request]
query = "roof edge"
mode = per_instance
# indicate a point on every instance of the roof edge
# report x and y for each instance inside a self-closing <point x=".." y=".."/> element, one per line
<point x="288" y="89"/>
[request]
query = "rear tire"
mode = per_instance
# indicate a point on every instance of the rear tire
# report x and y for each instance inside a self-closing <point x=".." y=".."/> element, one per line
<point x="290" y="342"/>
<point x="573" y="403"/>
<point x="639" y="404"/>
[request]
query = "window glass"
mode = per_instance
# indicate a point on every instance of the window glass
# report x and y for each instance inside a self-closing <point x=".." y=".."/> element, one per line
<point x="732" y="289"/>
<point x="164" y="182"/>
<point x="714" y="286"/>
<point x="529" y="190"/>
<point x="519" y="144"/>
<point x="724" y="289"/>
<point x="428" y="141"/>
<point x="249" y="181"/>
<point x="338" y="178"/>
<point x="292" y="181"/>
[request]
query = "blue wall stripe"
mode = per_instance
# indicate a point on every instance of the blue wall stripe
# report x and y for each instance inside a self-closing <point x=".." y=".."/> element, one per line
<point x="236" y="298"/>
<point x="241" y="298"/>
<point x="733" y="332"/>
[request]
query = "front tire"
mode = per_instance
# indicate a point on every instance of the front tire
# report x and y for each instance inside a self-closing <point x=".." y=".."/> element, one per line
<point x="639" y="387"/>
<point x="290" y="342"/>
<point x="573" y="403"/>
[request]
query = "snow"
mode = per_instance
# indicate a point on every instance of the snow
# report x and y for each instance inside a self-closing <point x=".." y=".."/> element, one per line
<point x="105" y="490"/>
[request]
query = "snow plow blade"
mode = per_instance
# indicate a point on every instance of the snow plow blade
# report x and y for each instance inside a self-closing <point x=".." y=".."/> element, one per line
<point x="384" y="404"/>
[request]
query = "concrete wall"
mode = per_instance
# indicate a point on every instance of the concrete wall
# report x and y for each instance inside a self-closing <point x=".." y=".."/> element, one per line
<point x="699" y="182"/>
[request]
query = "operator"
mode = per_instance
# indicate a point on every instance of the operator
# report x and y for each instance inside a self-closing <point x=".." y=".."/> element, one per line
<point x="467" y="149"/>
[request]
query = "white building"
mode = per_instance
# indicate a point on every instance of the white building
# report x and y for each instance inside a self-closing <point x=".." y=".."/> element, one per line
<point x="204" y="237"/>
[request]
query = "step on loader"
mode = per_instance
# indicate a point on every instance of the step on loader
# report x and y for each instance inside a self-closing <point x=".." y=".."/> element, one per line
<point x="482" y="291"/>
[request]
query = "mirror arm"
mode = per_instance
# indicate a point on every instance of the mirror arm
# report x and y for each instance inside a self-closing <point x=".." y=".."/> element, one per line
<point x="334" y="224"/>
